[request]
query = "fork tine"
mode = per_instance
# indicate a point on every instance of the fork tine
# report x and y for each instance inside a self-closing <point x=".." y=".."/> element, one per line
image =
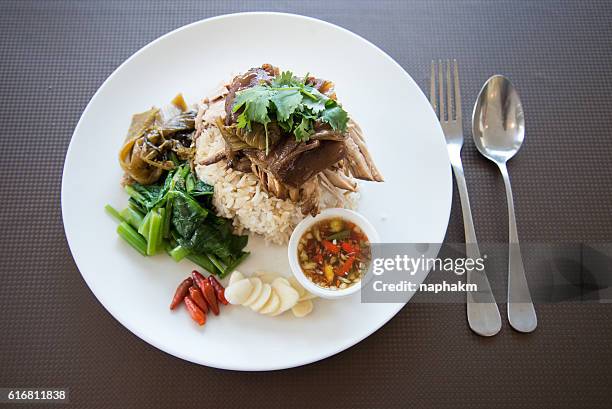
<point x="457" y="93"/>
<point x="441" y="89"/>
<point x="432" y="89"/>
<point x="449" y="103"/>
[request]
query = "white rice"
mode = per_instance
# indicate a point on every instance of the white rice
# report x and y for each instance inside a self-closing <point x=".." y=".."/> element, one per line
<point x="239" y="195"/>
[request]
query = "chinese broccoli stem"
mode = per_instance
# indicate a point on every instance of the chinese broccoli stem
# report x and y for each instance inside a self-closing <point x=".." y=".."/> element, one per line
<point x="155" y="231"/>
<point x="133" y="217"/>
<point x="131" y="236"/>
<point x="178" y="253"/>
<point x="114" y="213"/>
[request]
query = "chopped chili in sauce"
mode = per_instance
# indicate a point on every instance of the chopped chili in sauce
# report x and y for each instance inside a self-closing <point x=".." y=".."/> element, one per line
<point x="334" y="253"/>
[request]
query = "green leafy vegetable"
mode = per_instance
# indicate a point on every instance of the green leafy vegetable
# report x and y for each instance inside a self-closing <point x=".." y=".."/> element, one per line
<point x="175" y="215"/>
<point x="147" y="196"/>
<point x="198" y="189"/>
<point x="216" y="237"/>
<point x="204" y="261"/>
<point x="293" y="104"/>
<point x="186" y="214"/>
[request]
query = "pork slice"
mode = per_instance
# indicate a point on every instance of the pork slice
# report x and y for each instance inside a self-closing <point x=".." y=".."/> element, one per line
<point x="293" y="163"/>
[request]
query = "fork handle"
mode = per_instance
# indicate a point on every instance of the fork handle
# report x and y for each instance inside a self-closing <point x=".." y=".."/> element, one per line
<point x="470" y="233"/>
<point x="482" y="311"/>
<point x="521" y="313"/>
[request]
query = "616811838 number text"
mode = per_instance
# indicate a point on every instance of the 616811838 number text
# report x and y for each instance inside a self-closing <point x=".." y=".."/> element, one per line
<point x="33" y="395"/>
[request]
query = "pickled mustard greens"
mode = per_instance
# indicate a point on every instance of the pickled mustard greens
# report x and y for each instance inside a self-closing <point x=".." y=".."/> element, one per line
<point x="155" y="139"/>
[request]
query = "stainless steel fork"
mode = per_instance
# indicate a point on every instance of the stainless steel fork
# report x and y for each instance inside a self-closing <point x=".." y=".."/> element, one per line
<point x="482" y="312"/>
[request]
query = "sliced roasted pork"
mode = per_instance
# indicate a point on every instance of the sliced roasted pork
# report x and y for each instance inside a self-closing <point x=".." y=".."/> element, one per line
<point x="337" y="178"/>
<point x="359" y="159"/>
<point x="310" y="196"/>
<point x="293" y="163"/>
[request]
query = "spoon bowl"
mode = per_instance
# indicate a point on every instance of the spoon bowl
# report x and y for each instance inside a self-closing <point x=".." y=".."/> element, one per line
<point x="498" y="120"/>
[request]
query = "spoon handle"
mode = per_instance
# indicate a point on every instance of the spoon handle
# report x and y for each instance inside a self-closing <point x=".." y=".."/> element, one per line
<point x="482" y="312"/>
<point x="521" y="313"/>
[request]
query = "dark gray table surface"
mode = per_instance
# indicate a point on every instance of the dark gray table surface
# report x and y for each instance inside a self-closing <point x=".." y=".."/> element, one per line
<point x="53" y="332"/>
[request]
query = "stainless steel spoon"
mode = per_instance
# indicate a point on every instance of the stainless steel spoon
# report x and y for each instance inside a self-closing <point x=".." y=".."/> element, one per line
<point x="499" y="129"/>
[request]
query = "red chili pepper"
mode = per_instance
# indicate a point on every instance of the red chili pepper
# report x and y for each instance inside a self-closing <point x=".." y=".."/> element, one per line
<point x="344" y="268"/>
<point x="209" y="295"/>
<point x="349" y="248"/>
<point x="181" y="292"/>
<point x="198" y="298"/>
<point x="219" y="290"/>
<point x="197" y="278"/>
<point x="331" y="247"/>
<point x="196" y="313"/>
<point x="207" y="290"/>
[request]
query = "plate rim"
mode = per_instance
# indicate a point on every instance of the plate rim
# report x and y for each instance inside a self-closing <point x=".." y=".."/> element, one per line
<point x="177" y="353"/>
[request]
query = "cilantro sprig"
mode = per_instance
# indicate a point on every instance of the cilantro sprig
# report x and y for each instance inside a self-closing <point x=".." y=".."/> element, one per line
<point x="293" y="103"/>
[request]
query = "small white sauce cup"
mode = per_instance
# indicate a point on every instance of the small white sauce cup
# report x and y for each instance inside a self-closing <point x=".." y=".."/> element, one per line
<point x="303" y="226"/>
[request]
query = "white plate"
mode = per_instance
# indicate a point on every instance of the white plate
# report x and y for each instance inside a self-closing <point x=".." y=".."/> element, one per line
<point x="413" y="205"/>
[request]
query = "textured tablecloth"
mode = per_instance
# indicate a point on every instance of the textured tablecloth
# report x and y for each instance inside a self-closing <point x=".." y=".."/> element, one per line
<point x="53" y="331"/>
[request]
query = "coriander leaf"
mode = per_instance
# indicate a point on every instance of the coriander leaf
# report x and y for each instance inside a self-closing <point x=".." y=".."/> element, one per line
<point x="287" y="125"/>
<point x="336" y="117"/>
<point x="243" y="122"/>
<point x="314" y="93"/>
<point x="303" y="131"/>
<point x="258" y="111"/>
<point x="256" y="101"/>
<point x="286" y="78"/>
<point x="314" y="100"/>
<point x="292" y="102"/>
<point x="286" y="102"/>
<point x="315" y="105"/>
<point x="307" y="113"/>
